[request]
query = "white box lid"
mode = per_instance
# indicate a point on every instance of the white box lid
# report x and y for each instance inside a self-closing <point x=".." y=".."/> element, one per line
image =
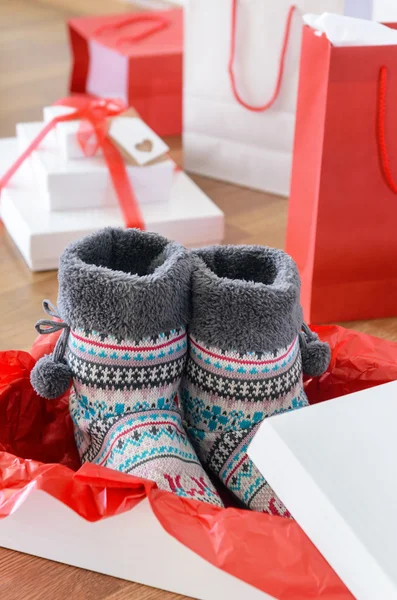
<point x="334" y="466"/>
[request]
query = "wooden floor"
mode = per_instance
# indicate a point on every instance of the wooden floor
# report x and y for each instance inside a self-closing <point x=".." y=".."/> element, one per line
<point x="34" y="64"/>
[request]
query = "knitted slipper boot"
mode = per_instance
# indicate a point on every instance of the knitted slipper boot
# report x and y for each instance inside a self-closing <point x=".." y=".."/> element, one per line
<point x="124" y="299"/>
<point x="245" y="360"/>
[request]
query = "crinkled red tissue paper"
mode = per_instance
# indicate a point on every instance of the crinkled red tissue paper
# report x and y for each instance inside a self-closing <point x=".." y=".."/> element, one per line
<point x="37" y="451"/>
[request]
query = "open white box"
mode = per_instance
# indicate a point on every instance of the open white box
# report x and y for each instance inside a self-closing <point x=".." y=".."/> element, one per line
<point x="190" y="217"/>
<point x="85" y="182"/>
<point x="334" y="466"/>
<point x="44" y="527"/>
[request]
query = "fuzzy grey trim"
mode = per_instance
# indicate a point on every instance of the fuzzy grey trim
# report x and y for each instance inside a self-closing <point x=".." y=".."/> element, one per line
<point x="245" y="298"/>
<point x="126" y="283"/>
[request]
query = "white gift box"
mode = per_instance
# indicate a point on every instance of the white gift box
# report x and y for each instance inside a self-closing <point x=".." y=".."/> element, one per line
<point x="334" y="466"/>
<point x="140" y="549"/>
<point x="189" y="217"/>
<point x="66" y="132"/>
<point x="86" y="183"/>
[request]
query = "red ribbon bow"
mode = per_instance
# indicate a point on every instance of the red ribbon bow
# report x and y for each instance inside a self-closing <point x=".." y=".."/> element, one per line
<point x="93" y="134"/>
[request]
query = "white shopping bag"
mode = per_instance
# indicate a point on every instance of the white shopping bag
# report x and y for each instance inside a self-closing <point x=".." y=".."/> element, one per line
<point x="240" y="87"/>
<point x="377" y="10"/>
<point x="384" y="10"/>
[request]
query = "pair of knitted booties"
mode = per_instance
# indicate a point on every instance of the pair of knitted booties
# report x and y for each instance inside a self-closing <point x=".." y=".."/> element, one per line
<point x="177" y="357"/>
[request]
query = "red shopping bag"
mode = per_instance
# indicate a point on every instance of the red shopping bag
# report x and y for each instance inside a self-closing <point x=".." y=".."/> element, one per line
<point x="137" y="58"/>
<point x="343" y="206"/>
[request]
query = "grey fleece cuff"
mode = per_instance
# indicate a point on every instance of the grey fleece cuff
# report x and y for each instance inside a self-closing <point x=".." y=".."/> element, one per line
<point x="126" y="283"/>
<point x="245" y="298"/>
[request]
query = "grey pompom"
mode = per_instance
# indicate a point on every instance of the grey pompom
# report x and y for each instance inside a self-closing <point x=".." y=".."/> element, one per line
<point x="316" y="356"/>
<point x="50" y="379"/>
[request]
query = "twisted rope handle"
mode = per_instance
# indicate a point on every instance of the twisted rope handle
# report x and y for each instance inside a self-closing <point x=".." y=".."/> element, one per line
<point x="383" y="153"/>
<point x="232" y="55"/>
<point x="160" y="22"/>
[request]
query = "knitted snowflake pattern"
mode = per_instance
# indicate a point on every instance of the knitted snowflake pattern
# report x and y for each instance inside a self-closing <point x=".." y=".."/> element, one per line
<point x="226" y="395"/>
<point x="124" y="406"/>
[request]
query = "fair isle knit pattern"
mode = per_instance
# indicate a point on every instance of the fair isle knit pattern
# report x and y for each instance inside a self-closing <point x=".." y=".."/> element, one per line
<point x="226" y="395"/>
<point x="125" y="411"/>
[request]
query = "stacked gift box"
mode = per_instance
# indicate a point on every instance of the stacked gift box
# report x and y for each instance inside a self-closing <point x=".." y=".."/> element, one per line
<point x="64" y="191"/>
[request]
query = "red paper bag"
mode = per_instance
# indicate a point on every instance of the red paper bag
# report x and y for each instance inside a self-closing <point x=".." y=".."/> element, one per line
<point x="343" y="206"/>
<point x="137" y="58"/>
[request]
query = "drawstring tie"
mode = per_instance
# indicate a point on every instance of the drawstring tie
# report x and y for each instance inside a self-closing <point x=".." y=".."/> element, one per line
<point x="51" y="375"/>
<point x="45" y="326"/>
<point x="316" y="355"/>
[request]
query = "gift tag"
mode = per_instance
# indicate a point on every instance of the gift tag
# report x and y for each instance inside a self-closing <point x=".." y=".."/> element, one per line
<point x="137" y="139"/>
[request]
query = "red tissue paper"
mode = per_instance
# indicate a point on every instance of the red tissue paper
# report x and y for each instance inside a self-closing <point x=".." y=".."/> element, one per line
<point x="37" y="451"/>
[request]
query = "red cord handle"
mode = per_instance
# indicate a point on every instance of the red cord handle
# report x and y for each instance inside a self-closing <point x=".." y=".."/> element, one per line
<point x="384" y="156"/>
<point x="160" y="22"/>
<point x="281" y="66"/>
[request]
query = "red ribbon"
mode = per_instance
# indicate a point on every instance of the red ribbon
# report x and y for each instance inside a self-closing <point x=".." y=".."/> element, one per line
<point x="92" y="134"/>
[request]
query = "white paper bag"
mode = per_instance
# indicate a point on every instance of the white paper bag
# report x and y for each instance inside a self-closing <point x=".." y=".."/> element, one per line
<point x="384" y="10"/>
<point x="377" y="10"/>
<point x="222" y="138"/>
